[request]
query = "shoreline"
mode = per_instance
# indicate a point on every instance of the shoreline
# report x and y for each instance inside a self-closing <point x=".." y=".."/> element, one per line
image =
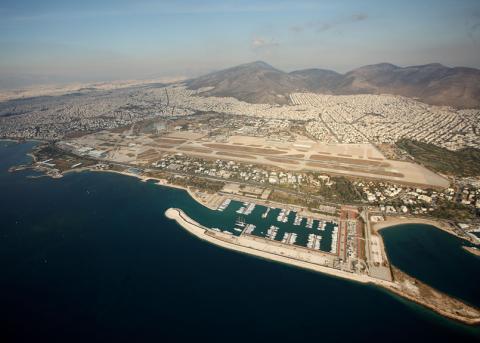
<point x="160" y="182"/>
<point x="393" y="221"/>
<point x="395" y="287"/>
<point x="261" y="202"/>
<point x="233" y="243"/>
<point x="472" y="250"/>
<point x="470" y="315"/>
<point x="390" y="221"/>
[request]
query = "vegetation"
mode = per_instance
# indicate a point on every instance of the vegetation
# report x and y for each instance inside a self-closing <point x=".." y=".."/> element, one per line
<point x="341" y="190"/>
<point x="289" y="198"/>
<point x="62" y="160"/>
<point x="452" y="211"/>
<point x="464" y="162"/>
<point x="210" y="186"/>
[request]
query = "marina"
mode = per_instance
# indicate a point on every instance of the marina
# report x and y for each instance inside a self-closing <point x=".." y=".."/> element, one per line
<point x="265" y="214"/>
<point x="314" y="241"/>
<point x="283" y="225"/>
<point x="224" y="205"/>
<point x="272" y="232"/>
<point x="309" y="224"/>
<point x="249" y="228"/>
<point x="334" y="246"/>
<point x="289" y="238"/>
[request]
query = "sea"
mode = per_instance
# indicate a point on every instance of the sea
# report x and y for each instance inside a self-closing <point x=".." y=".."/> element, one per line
<point x="91" y="257"/>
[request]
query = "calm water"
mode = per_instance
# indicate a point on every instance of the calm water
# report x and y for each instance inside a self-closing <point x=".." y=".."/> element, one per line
<point x="228" y="219"/>
<point x="90" y="257"/>
<point x="435" y="257"/>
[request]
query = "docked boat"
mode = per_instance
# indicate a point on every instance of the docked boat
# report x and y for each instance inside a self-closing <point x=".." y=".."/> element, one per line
<point x="240" y="222"/>
<point x="241" y="210"/>
<point x="249" y="208"/>
<point x="224" y="205"/>
<point x="272" y="232"/>
<point x="265" y="214"/>
<point x="298" y="220"/>
<point x="309" y="224"/>
<point x="249" y="228"/>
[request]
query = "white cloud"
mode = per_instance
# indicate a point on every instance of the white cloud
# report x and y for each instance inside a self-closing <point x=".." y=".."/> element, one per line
<point x="320" y="26"/>
<point x="260" y="43"/>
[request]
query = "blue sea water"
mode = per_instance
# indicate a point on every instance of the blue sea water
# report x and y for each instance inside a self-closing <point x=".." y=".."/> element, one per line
<point x="436" y="258"/>
<point x="91" y="257"/>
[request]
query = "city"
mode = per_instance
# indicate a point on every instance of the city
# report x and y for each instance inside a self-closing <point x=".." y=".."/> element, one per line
<point x="240" y="171"/>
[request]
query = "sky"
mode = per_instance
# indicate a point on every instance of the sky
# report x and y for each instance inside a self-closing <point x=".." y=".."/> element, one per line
<point x="61" y="41"/>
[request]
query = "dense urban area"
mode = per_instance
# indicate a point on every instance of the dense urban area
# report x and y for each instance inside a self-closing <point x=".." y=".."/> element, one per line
<point x="329" y="118"/>
<point x="393" y="123"/>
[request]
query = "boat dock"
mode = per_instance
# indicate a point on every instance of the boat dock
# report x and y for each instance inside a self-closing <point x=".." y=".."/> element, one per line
<point x="224" y="205"/>
<point x="289" y="238"/>
<point x="314" y="241"/>
<point x="265" y="214"/>
<point x="272" y="232"/>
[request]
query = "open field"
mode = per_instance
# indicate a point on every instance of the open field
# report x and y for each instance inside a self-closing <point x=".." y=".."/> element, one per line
<point x="354" y="160"/>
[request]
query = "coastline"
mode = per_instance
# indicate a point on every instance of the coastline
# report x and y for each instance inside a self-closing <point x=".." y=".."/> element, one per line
<point x="472" y="250"/>
<point x="225" y="241"/>
<point x="471" y="317"/>
<point x="9" y="140"/>
<point x="391" y="221"/>
<point x="231" y="243"/>
<point x="163" y="182"/>
<point x="160" y="182"/>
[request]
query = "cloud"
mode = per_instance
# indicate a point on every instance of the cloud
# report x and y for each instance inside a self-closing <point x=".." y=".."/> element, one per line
<point x="320" y="26"/>
<point x="259" y="43"/>
<point x="473" y="26"/>
<point x="359" y="17"/>
<point x="296" y="28"/>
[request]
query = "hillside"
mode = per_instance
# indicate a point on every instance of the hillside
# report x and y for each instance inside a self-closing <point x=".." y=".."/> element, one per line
<point x="256" y="82"/>
<point x="435" y="84"/>
<point x="432" y="83"/>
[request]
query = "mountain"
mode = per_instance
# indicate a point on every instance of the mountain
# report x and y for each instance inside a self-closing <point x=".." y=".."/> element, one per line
<point x="256" y="82"/>
<point x="435" y="84"/>
<point x="318" y="80"/>
<point x="431" y="83"/>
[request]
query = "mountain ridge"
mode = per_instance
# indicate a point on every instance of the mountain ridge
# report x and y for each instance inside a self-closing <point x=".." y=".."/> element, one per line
<point x="259" y="82"/>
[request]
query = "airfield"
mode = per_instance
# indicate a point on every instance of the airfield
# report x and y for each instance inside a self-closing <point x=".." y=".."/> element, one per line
<point x="351" y="160"/>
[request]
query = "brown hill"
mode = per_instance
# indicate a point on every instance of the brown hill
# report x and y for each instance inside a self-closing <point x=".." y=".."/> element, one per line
<point x="258" y="82"/>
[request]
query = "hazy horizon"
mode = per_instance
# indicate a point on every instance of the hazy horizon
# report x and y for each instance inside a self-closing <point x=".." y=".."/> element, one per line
<point x="65" y="42"/>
